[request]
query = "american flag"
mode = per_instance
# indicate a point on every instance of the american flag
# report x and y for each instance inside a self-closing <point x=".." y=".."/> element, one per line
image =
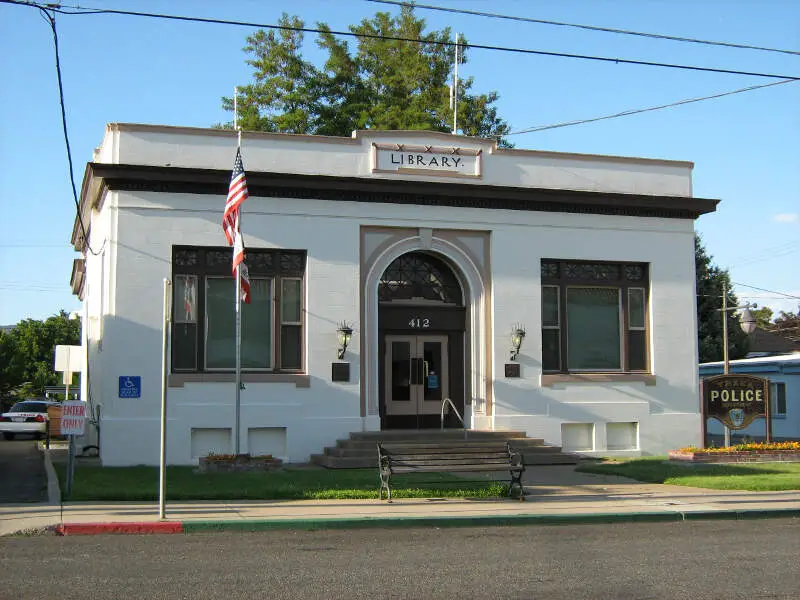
<point x="237" y="193"/>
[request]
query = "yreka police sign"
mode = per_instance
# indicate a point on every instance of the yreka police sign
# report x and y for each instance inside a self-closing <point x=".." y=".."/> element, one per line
<point x="736" y="400"/>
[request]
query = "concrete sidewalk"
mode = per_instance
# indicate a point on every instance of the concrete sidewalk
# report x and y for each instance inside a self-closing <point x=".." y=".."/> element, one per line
<point x="555" y="494"/>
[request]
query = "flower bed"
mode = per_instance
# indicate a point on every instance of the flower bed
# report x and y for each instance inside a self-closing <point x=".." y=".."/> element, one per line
<point x="232" y="463"/>
<point x="741" y="453"/>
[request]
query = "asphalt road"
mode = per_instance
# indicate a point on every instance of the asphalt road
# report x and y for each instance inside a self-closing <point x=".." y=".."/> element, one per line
<point x="690" y="560"/>
<point x="22" y="474"/>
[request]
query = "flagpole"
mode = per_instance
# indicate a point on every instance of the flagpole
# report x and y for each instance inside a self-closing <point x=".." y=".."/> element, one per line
<point x="236" y="411"/>
<point x="238" y="356"/>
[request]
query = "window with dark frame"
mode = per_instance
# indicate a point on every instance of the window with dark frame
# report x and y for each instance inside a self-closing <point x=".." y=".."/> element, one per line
<point x="777" y="394"/>
<point x="594" y="316"/>
<point x="204" y="315"/>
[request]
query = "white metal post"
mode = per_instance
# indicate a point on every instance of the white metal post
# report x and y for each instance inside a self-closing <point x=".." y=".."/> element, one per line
<point x="726" y="365"/>
<point x="236" y="418"/>
<point x="162" y="478"/>
<point x="238" y="359"/>
<point x="455" y="89"/>
<point x="71" y="454"/>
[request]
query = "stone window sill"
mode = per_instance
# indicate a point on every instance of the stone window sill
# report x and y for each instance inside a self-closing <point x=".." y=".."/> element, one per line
<point x="300" y="380"/>
<point x="550" y="379"/>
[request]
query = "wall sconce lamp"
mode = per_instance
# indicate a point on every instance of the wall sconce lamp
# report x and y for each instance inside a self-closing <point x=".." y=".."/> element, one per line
<point x="517" y="335"/>
<point x="345" y="332"/>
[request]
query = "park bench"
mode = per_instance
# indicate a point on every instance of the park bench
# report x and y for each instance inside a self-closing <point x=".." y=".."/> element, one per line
<point x="448" y="457"/>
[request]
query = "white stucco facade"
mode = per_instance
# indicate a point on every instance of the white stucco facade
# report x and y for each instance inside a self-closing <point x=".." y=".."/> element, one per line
<point x="496" y="253"/>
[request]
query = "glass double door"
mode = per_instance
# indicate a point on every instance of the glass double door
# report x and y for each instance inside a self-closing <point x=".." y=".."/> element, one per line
<point x="417" y="377"/>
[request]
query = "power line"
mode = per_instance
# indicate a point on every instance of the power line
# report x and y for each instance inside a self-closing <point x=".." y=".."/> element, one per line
<point x="51" y="19"/>
<point x="752" y="287"/>
<point x="657" y="36"/>
<point x="782" y="246"/>
<point x="626" y="113"/>
<point x="432" y="42"/>
<point x="27" y="245"/>
<point x="766" y="254"/>
<point x="754" y="260"/>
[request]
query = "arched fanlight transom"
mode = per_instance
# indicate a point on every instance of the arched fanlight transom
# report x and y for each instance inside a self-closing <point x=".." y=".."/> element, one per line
<point x="419" y="276"/>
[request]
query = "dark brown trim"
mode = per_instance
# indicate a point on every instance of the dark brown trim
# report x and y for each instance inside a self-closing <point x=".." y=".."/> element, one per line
<point x="279" y="266"/>
<point x="549" y="380"/>
<point x="78" y="278"/>
<point x="395" y="191"/>
<point x="176" y="380"/>
<point x="621" y="283"/>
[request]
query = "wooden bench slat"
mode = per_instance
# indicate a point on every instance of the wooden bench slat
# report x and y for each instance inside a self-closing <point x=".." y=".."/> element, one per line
<point x="448" y="457"/>
<point x="434" y="452"/>
<point x="445" y="450"/>
<point x="452" y="457"/>
<point x="451" y="469"/>
<point x="450" y="463"/>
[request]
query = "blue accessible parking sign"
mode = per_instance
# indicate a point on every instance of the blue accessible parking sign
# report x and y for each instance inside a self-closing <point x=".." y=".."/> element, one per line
<point x="130" y="386"/>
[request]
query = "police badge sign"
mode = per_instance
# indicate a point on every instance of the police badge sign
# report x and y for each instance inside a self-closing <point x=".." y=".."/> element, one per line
<point x="736" y="415"/>
<point x="736" y="400"/>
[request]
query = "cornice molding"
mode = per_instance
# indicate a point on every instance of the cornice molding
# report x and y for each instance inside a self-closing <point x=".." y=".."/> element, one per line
<point x="100" y="176"/>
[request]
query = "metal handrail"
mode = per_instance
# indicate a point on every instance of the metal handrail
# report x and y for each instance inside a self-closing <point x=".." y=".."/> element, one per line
<point x="446" y="401"/>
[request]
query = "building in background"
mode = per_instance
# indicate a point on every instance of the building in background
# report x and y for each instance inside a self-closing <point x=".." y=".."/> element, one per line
<point x="433" y="248"/>
<point x="769" y="343"/>
<point x="783" y="372"/>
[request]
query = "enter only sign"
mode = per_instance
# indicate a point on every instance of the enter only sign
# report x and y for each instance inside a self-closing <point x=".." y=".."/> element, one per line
<point x="73" y="417"/>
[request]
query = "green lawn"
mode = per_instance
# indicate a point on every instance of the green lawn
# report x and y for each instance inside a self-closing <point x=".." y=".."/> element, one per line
<point x="183" y="483"/>
<point x="756" y="477"/>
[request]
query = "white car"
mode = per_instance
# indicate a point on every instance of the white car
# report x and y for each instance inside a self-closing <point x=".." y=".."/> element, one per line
<point x="26" y="417"/>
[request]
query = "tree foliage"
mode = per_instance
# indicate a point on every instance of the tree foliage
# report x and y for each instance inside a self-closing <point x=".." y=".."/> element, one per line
<point x="787" y="324"/>
<point x="379" y="84"/>
<point x="710" y="281"/>
<point x="27" y="354"/>
<point x="763" y="317"/>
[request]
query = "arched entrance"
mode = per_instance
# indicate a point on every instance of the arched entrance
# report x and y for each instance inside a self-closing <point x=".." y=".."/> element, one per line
<point x="422" y="319"/>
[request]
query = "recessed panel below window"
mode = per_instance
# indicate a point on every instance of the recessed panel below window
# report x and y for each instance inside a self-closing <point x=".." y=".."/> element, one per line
<point x="267" y="440"/>
<point x="207" y="441"/>
<point x="622" y="436"/>
<point x="577" y="437"/>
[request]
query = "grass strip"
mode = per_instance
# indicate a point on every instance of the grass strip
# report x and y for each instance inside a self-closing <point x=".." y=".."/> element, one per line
<point x="140" y="483"/>
<point x="754" y="477"/>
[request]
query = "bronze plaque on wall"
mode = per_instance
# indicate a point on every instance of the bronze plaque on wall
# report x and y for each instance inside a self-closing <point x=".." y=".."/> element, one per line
<point x="736" y="400"/>
<point x="340" y="371"/>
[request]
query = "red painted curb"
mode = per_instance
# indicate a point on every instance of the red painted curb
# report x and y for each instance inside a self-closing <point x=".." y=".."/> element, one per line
<point x="140" y="528"/>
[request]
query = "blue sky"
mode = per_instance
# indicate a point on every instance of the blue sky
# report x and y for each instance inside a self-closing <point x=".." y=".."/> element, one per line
<point x="132" y="69"/>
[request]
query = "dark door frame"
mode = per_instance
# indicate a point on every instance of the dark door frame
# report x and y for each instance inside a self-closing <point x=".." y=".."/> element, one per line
<point x="424" y="319"/>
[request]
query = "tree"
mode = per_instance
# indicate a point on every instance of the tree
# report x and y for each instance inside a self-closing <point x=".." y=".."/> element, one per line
<point x="710" y="280"/>
<point x="11" y="372"/>
<point x="382" y="84"/>
<point x="28" y="353"/>
<point x="763" y="317"/>
<point x="787" y="324"/>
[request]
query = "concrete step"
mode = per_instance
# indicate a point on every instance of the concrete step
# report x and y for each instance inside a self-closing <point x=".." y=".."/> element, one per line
<point x="371" y="462"/>
<point x="411" y="434"/>
<point x="360" y="451"/>
<point x="371" y="450"/>
<point x="345" y="462"/>
<point x="371" y="444"/>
